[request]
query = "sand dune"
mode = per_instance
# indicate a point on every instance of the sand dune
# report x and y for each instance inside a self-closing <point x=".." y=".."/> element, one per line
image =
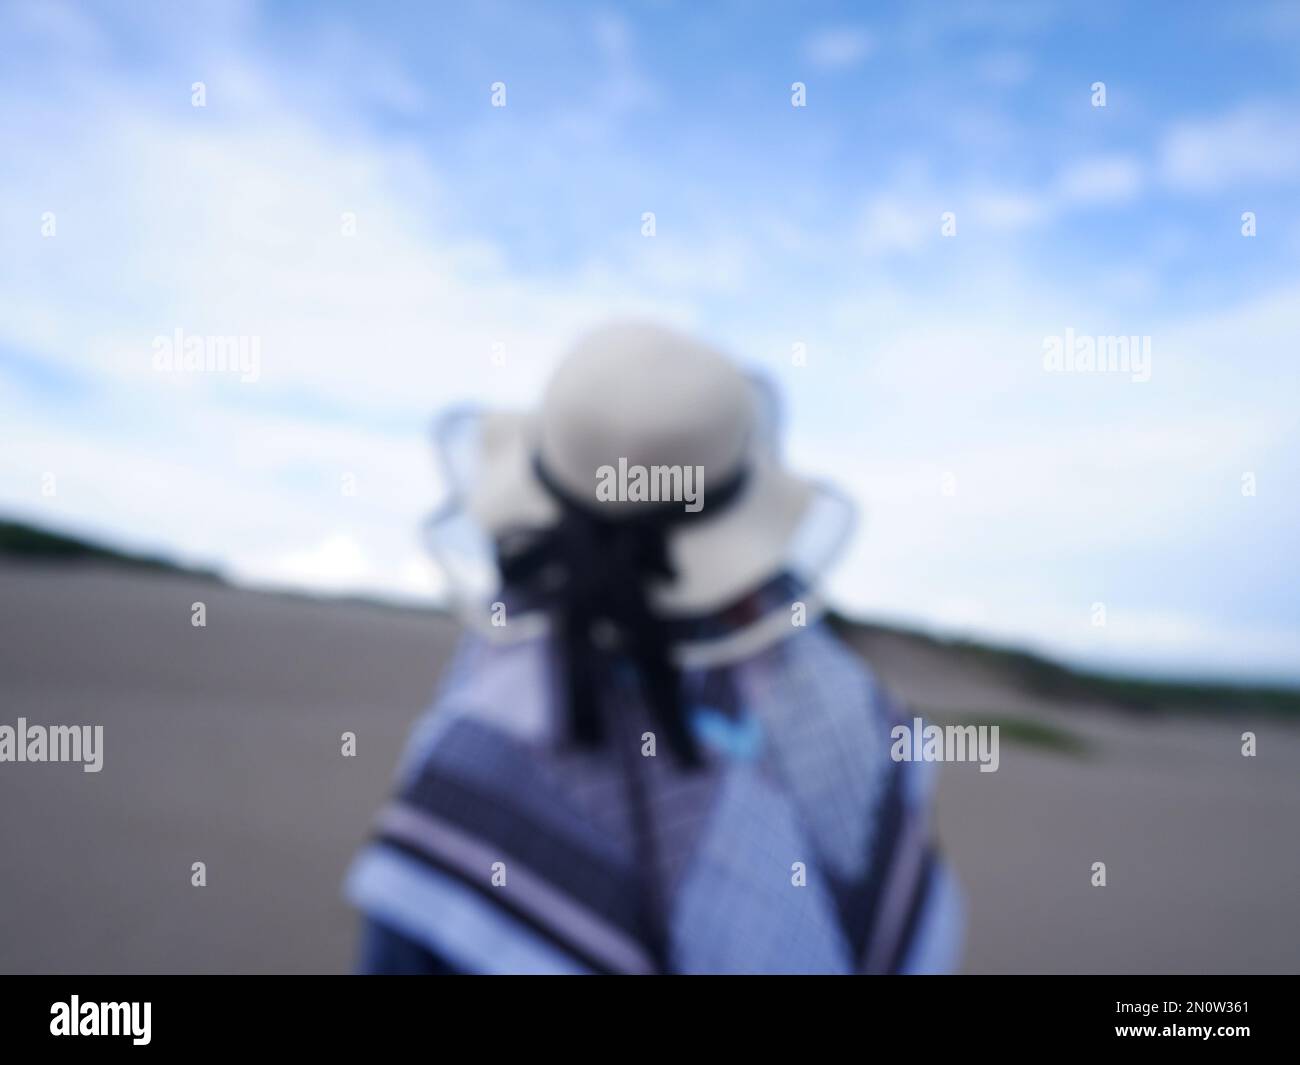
<point x="222" y="746"/>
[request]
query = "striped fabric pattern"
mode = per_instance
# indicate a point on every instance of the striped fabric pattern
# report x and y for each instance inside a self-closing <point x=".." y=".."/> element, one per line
<point x="799" y="847"/>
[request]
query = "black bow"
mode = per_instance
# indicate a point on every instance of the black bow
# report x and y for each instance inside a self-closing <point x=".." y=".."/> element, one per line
<point x="594" y="574"/>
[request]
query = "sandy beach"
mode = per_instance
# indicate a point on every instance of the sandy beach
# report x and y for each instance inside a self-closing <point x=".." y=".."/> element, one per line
<point x="222" y="745"/>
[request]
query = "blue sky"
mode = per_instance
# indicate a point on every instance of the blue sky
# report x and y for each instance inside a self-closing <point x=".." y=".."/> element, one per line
<point x="997" y="499"/>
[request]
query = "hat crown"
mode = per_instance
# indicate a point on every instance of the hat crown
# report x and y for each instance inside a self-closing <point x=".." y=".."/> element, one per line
<point x="646" y="395"/>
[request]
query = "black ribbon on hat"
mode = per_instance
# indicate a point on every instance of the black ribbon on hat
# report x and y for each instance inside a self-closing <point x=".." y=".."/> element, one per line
<point x="594" y="573"/>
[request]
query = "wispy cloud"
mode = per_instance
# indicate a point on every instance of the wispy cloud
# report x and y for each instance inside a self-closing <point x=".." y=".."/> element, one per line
<point x="838" y="48"/>
<point x="1250" y="144"/>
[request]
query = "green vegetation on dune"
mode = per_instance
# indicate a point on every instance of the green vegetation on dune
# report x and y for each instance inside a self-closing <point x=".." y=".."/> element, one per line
<point x="26" y="541"/>
<point x="1055" y="681"/>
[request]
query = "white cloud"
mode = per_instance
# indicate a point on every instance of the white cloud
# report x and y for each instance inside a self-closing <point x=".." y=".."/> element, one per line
<point x="891" y="223"/>
<point x="336" y="564"/>
<point x="340" y="565"/>
<point x="1067" y="490"/>
<point x="403" y="316"/>
<point x="1009" y="211"/>
<point x="905" y="218"/>
<point x="1006" y="69"/>
<point x="1100" y="180"/>
<point x="1255" y="142"/>
<point x="838" y="48"/>
<point x="227" y="221"/>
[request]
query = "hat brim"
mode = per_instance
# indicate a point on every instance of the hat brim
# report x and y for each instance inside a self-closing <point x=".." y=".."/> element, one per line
<point x="779" y="523"/>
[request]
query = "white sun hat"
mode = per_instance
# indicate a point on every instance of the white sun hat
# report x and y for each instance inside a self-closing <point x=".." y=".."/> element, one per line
<point x="635" y="396"/>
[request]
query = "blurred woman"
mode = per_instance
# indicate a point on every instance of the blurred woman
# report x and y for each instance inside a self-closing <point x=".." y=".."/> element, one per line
<point x="652" y="754"/>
